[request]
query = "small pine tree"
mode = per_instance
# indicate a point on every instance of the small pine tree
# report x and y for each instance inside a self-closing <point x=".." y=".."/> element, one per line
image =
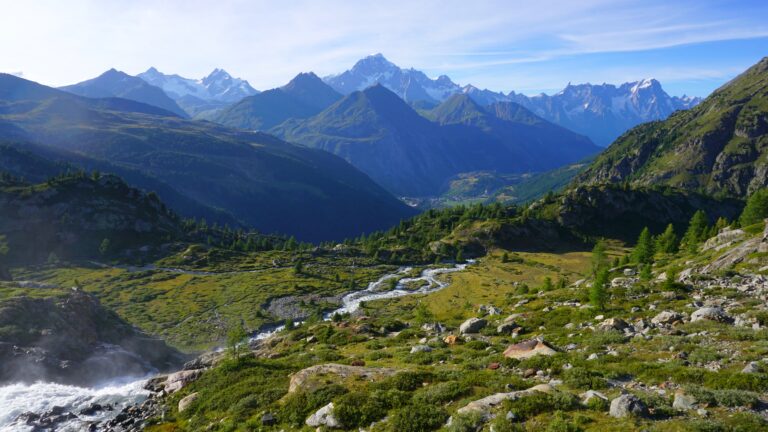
<point x="235" y="337"/>
<point x="645" y="272"/>
<point x="756" y="209"/>
<point x="668" y="242"/>
<point x="459" y="257"/>
<point x="104" y="246"/>
<point x="599" y="258"/>
<point x="643" y="252"/>
<point x="598" y="292"/>
<point x="697" y="230"/>
<point x="547" y="285"/>
<point x="298" y="267"/>
<point x="505" y="258"/>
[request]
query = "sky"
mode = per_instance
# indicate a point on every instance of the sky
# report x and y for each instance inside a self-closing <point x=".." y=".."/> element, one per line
<point x="692" y="47"/>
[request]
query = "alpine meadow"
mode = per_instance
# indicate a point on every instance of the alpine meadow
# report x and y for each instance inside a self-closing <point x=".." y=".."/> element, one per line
<point x="384" y="217"/>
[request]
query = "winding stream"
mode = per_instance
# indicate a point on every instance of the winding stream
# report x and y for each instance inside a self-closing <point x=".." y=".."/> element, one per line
<point x="41" y="397"/>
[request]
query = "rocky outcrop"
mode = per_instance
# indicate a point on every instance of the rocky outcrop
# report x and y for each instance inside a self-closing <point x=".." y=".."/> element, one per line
<point x="73" y="339"/>
<point x="304" y="376"/>
<point x="711" y="314"/>
<point x="484" y="405"/>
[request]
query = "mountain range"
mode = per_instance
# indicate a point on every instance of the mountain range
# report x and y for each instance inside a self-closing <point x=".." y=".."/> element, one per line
<point x="210" y="93"/>
<point x="718" y="147"/>
<point x="198" y="167"/>
<point x="601" y="112"/>
<point x="416" y="155"/>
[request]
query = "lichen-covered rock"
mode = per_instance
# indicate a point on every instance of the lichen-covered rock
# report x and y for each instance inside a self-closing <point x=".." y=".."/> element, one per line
<point x="300" y="378"/>
<point x="666" y="317"/>
<point x="185" y="402"/>
<point x="323" y="417"/>
<point x="484" y="405"/>
<point x="472" y="325"/>
<point x="628" y="405"/>
<point x="711" y="314"/>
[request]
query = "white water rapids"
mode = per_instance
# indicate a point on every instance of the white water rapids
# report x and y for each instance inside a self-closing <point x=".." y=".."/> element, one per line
<point x="40" y="397"/>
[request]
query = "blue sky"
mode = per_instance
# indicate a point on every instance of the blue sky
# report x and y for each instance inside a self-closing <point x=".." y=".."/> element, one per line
<point x="692" y="47"/>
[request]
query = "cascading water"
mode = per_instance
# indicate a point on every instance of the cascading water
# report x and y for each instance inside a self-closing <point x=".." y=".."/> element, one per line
<point x="40" y="398"/>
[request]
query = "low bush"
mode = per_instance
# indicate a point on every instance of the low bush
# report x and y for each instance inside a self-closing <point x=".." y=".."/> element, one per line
<point x="417" y="418"/>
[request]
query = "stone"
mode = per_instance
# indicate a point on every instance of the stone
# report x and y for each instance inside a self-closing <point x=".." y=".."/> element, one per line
<point x="268" y="419"/>
<point x="628" y="405"/>
<point x="485" y="405"/>
<point x="683" y="402"/>
<point x="711" y="314"/>
<point x="433" y="327"/>
<point x="185" y="402"/>
<point x="302" y="377"/>
<point x="323" y="417"/>
<point x="177" y="380"/>
<point x="506" y="328"/>
<point x="591" y="394"/>
<point x="451" y="339"/>
<point x="472" y="325"/>
<point x="751" y="367"/>
<point x="617" y="324"/>
<point x="528" y="349"/>
<point x="420" y="348"/>
<point x="311" y="339"/>
<point x="667" y="317"/>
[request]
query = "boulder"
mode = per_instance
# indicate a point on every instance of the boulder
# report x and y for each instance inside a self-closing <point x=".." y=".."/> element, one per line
<point x="268" y="419"/>
<point x="666" y="317"/>
<point x="177" y="380"/>
<point x="711" y="314"/>
<point x="433" y="327"/>
<point x="472" y="325"/>
<point x="617" y="324"/>
<point x="420" y="348"/>
<point x="683" y="402"/>
<point x="628" y="405"/>
<point x="187" y="401"/>
<point x="323" y="417"/>
<point x="506" y="328"/>
<point x="751" y="367"/>
<point x="529" y="348"/>
<point x="303" y="377"/>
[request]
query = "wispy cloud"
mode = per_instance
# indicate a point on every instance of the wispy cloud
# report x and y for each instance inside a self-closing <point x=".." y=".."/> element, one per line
<point x="267" y="42"/>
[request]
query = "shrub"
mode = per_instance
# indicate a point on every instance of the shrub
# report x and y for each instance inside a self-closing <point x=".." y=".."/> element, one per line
<point x="299" y="406"/>
<point x="418" y="418"/>
<point x="440" y="393"/>
<point x="406" y="381"/>
<point x="358" y="409"/>
<point x="581" y="378"/>
<point x="465" y="422"/>
<point x="530" y="406"/>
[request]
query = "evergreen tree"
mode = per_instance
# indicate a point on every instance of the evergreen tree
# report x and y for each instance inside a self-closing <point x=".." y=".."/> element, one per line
<point x="697" y="231"/>
<point x="235" y="337"/>
<point x="298" y="267"/>
<point x="598" y="292"/>
<point x="644" y="250"/>
<point x="756" y="209"/>
<point x="547" y="286"/>
<point x="599" y="258"/>
<point x="668" y="242"/>
<point x="104" y="246"/>
<point x="505" y="258"/>
<point x="459" y="257"/>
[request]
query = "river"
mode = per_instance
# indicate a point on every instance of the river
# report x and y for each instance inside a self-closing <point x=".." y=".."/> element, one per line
<point x="41" y="397"/>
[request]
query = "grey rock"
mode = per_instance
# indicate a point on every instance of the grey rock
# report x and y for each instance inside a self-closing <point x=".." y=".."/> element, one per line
<point x="506" y="328"/>
<point x="323" y="417"/>
<point x="628" y="405"/>
<point x="472" y="325"/>
<point x="711" y="314"/>
<point x="683" y="402"/>
<point x="420" y="348"/>
<point x="666" y="317"/>
<point x="187" y="401"/>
